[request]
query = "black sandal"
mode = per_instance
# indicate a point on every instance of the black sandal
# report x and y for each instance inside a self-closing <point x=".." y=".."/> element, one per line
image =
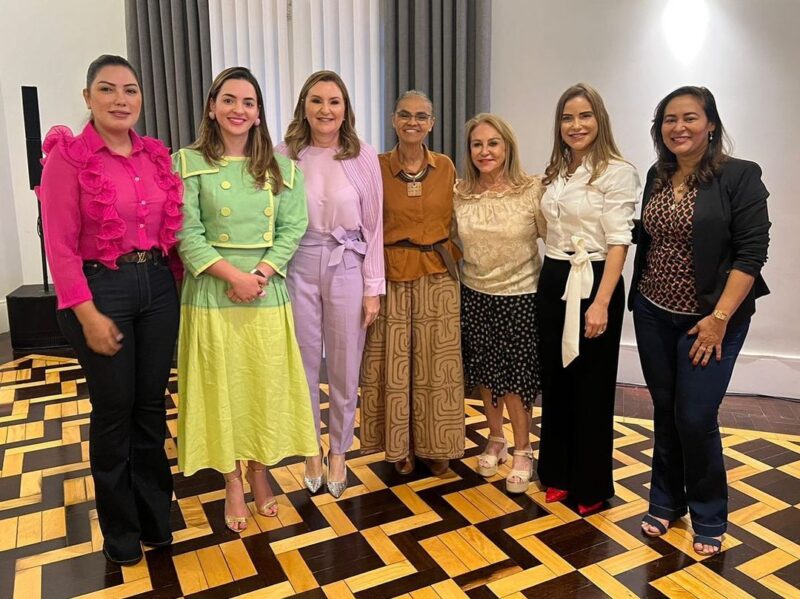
<point x="710" y="541"/>
<point x="655" y="523"/>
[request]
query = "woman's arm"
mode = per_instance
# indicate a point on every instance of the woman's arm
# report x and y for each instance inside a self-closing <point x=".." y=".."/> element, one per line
<point x="291" y="221"/>
<point x="622" y="190"/>
<point x="749" y="240"/>
<point x="596" y="319"/>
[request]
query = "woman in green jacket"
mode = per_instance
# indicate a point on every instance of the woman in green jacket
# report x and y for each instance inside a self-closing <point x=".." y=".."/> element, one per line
<point x="243" y="391"/>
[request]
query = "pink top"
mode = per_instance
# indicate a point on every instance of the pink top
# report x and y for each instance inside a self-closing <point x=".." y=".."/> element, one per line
<point x="347" y="194"/>
<point x="332" y="199"/>
<point x="98" y="205"/>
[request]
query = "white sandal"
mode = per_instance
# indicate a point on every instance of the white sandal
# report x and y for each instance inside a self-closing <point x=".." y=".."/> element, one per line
<point x="525" y="476"/>
<point x="488" y="462"/>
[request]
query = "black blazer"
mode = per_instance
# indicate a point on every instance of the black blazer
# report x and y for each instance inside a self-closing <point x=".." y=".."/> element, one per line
<point x="730" y="230"/>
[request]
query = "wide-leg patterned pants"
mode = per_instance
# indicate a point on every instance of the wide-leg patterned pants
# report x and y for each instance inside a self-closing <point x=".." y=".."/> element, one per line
<point x="412" y="384"/>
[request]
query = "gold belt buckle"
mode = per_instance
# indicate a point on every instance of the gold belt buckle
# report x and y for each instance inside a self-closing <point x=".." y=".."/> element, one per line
<point x="141" y="257"/>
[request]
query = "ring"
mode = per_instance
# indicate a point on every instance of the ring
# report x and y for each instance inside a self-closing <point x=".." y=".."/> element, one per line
<point x="702" y="348"/>
<point x="708" y="349"/>
<point x="602" y="331"/>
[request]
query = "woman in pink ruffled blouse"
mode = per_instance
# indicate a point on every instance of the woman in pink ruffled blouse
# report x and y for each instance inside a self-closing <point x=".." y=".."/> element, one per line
<point x="111" y="207"/>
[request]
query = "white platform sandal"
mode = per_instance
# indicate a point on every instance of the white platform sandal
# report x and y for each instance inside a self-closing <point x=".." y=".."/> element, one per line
<point x="524" y="476"/>
<point x="487" y="462"/>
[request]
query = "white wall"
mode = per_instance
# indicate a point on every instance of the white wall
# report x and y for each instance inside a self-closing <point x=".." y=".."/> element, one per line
<point x="49" y="45"/>
<point x="747" y="58"/>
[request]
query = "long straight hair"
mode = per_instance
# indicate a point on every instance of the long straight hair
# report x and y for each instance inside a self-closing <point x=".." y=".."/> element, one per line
<point x="716" y="152"/>
<point x="603" y="149"/>
<point x="261" y="162"/>
<point x="512" y="169"/>
<point x="298" y="133"/>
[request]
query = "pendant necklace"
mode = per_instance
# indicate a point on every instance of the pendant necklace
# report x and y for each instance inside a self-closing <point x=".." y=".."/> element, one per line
<point x="414" y="182"/>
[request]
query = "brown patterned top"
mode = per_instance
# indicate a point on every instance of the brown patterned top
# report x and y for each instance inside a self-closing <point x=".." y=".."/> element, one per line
<point x="668" y="278"/>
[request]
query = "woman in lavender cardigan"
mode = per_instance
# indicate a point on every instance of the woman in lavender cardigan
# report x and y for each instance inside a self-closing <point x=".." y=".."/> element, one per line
<point x="337" y="275"/>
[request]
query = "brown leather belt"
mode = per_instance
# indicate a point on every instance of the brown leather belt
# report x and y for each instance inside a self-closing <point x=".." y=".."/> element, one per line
<point x="438" y="247"/>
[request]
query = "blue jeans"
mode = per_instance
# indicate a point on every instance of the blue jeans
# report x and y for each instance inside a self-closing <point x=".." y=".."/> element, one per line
<point x="127" y="425"/>
<point x="688" y="470"/>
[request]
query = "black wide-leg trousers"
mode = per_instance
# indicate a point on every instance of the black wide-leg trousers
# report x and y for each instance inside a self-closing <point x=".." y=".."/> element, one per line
<point x="132" y="479"/>
<point x="577" y="436"/>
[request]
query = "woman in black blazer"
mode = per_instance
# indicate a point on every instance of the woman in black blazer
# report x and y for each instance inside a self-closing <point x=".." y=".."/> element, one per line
<point x="701" y="244"/>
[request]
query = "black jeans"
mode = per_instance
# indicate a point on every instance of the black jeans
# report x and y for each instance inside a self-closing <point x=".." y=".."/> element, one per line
<point x="577" y="426"/>
<point x="688" y="468"/>
<point x="127" y="427"/>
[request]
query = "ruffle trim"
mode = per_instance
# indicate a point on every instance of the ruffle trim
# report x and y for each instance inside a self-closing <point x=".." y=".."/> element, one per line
<point x="172" y="184"/>
<point x="102" y="205"/>
<point x="519" y="189"/>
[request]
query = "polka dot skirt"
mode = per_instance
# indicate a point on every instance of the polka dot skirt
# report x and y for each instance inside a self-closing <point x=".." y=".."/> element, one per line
<point x="499" y="343"/>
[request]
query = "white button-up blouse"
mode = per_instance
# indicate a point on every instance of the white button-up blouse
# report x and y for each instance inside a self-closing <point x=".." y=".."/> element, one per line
<point x="601" y="213"/>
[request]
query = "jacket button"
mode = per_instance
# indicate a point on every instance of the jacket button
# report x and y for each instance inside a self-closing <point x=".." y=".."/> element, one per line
<point x="267" y="236"/>
<point x="268" y="210"/>
<point x="225" y="185"/>
<point x="223" y="237"/>
<point x="225" y="211"/>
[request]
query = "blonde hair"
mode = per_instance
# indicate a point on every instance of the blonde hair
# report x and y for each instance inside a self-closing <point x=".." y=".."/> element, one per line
<point x="603" y="149"/>
<point x="258" y="149"/>
<point x="298" y="133"/>
<point x="512" y="169"/>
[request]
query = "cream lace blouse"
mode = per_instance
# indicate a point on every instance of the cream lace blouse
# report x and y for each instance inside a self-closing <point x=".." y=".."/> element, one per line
<point x="498" y="231"/>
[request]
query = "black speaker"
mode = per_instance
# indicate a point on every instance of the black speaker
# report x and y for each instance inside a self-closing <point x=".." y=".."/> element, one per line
<point x="32" y="308"/>
<point x="32" y="320"/>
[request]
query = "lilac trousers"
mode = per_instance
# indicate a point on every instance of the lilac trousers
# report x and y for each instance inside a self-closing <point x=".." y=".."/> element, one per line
<point x="326" y="285"/>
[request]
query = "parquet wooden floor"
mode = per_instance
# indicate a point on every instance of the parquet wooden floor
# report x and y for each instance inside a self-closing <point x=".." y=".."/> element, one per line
<point x="418" y="536"/>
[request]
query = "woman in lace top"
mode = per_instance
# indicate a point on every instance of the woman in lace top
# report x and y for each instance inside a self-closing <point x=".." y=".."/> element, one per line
<point x="497" y="214"/>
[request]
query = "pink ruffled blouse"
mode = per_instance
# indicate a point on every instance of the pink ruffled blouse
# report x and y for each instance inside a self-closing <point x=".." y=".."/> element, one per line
<point x="98" y="205"/>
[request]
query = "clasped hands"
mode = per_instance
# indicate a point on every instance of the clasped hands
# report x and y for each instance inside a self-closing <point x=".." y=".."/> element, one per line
<point x="246" y="287"/>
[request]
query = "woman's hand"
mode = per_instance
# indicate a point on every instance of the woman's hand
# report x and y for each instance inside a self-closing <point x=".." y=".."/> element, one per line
<point x="595" y="320"/>
<point x="372" y="305"/>
<point x="101" y="333"/>
<point x="245" y="287"/>
<point x="266" y="270"/>
<point x="710" y="332"/>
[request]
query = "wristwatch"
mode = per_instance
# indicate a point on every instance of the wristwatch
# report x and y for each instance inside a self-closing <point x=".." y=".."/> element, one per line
<point x="720" y="315"/>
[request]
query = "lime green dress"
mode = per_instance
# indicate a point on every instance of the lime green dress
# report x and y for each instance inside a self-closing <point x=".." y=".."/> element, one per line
<point x="243" y="391"/>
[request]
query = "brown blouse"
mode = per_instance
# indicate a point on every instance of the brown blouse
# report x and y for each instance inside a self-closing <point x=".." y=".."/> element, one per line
<point x="424" y="219"/>
<point x="668" y="278"/>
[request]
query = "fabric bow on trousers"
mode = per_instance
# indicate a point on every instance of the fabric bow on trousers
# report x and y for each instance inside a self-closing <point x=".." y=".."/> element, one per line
<point x="326" y="285"/>
<point x="578" y="287"/>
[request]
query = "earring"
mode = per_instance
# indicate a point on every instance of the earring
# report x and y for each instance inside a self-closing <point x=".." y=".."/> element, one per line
<point x="211" y="115"/>
<point x="257" y="123"/>
<point x="710" y="136"/>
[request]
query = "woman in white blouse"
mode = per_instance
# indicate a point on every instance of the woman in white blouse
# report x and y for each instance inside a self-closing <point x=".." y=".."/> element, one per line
<point x="497" y="213"/>
<point x="589" y="206"/>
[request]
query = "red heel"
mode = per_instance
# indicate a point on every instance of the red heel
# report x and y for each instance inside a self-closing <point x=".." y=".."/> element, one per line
<point x="585" y="510"/>
<point x="553" y="495"/>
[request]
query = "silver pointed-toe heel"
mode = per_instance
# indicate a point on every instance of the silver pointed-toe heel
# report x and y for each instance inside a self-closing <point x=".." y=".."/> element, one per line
<point x="313" y="484"/>
<point x="335" y="488"/>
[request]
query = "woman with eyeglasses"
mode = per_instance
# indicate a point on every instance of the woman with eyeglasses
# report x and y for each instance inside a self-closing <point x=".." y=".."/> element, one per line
<point x="412" y="389"/>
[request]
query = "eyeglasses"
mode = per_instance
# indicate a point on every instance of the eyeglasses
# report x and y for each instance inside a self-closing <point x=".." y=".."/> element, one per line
<point x="420" y="117"/>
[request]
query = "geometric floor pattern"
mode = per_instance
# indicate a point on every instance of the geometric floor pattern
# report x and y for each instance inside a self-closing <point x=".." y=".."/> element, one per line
<point x="419" y="536"/>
